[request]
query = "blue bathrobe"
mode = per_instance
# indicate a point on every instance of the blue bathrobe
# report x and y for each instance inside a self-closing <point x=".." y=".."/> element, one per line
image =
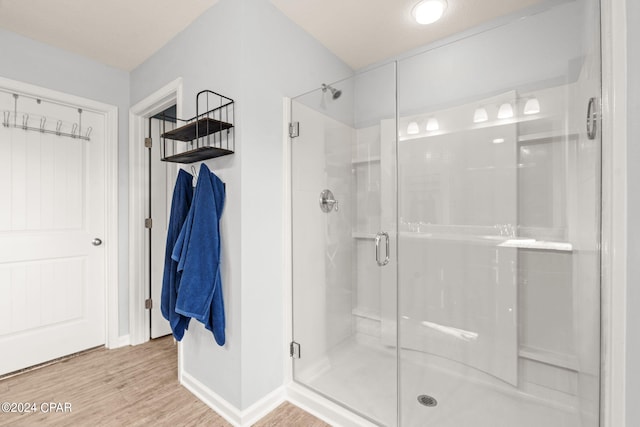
<point x="197" y="251"/>
<point x="180" y="204"/>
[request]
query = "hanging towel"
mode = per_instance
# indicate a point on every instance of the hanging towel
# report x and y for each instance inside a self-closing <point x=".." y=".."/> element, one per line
<point x="180" y="204"/>
<point x="197" y="251"/>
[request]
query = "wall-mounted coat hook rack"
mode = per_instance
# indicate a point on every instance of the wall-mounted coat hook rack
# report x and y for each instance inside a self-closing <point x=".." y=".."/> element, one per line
<point x="12" y="122"/>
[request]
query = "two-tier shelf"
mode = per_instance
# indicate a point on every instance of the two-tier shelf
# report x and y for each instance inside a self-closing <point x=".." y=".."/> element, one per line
<point x="205" y="136"/>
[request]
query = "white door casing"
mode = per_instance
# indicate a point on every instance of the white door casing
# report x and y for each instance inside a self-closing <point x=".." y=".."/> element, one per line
<point x="163" y="177"/>
<point x="170" y="94"/>
<point x="53" y="280"/>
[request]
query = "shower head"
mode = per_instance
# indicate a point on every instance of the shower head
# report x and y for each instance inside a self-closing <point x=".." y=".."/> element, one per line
<point x="335" y="93"/>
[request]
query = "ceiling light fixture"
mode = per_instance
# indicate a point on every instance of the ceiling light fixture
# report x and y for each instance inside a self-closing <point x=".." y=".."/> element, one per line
<point x="429" y="11"/>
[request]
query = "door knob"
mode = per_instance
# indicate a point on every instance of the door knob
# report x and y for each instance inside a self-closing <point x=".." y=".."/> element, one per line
<point x="96" y="242"/>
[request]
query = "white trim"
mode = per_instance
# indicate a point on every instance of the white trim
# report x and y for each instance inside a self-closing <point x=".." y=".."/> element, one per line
<point x="180" y="360"/>
<point x="262" y="407"/>
<point x="211" y="399"/>
<point x="614" y="213"/>
<point x="111" y="227"/>
<point x="138" y="174"/>
<point x="56" y="96"/>
<point x="323" y="408"/>
<point x="138" y="322"/>
<point x="123" y="341"/>
<point x="226" y="410"/>
<point x="110" y="115"/>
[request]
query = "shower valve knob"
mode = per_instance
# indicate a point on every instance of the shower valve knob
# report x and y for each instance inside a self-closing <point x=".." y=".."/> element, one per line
<point x="327" y="201"/>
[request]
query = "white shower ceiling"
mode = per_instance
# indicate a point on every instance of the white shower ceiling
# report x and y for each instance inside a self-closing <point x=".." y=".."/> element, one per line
<point x="119" y="33"/>
<point x="362" y="32"/>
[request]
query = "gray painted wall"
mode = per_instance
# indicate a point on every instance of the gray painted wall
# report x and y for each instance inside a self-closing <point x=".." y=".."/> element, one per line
<point x="207" y="56"/>
<point x="279" y="59"/>
<point x="633" y="213"/>
<point x="39" y="64"/>
<point x="257" y="56"/>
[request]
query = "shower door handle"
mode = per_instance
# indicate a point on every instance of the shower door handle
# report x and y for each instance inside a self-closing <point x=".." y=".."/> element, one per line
<point x="379" y="237"/>
<point x="592" y="119"/>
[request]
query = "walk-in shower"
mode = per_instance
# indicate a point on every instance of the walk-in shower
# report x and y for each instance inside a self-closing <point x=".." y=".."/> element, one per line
<point x="445" y="231"/>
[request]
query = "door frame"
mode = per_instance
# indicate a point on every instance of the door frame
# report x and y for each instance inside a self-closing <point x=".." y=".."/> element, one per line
<point x="614" y="258"/>
<point x="168" y="95"/>
<point x="110" y="116"/>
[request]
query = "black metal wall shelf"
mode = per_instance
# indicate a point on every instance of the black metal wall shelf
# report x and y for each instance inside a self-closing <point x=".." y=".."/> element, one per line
<point x="197" y="155"/>
<point x="205" y="136"/>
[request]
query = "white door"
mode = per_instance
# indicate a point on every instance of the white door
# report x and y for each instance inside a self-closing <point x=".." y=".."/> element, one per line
<point x="163" y="176"/>
<point x="52" y="276"/>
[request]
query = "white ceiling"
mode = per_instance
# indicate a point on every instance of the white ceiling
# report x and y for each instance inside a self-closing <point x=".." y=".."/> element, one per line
<point x="362" y="32"/>
<point x="119" y="33"/>
<point x="123" y="33"/>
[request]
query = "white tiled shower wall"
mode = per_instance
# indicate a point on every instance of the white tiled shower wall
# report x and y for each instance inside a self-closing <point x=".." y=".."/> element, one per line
<point x="552" y="198"/>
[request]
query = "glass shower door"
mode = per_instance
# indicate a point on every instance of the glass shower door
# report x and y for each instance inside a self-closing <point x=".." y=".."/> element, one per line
<point x="498" y="216"/>
<point x="343" y="228"/>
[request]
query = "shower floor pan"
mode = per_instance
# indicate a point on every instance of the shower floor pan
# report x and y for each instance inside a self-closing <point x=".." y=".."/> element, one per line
<point x="362" y="377"/>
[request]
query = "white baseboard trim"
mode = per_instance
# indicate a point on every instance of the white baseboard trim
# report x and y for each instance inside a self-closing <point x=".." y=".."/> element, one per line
<point x="226" y="410"/>
<point x="121" y="341"/>
<point x="323" y="408"/>
<point x="212" y="400"/>
<point x="262" y="407"/>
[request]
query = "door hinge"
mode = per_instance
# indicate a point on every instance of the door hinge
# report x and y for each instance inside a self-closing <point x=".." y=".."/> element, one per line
<point x="148" y="223"/>
<point x="294" y="350"/>
<point x="148" y="143"/>
<point x="148" y="303"/>
<point x="294" y="129"/>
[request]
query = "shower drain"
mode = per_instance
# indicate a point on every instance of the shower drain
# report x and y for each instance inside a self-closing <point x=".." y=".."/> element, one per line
<point x="427" y="400"/>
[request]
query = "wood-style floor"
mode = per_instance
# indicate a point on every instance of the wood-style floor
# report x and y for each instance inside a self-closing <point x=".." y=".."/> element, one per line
<point x="131" y="386"/>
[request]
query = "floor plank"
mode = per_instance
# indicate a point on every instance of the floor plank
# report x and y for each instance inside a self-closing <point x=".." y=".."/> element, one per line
<point x="130" y="386"/>
<point x="290" y="415"/>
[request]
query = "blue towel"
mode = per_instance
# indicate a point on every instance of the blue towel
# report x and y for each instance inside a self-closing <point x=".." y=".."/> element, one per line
<point x="197" y="251"/>
<point x="180" y="204"/>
